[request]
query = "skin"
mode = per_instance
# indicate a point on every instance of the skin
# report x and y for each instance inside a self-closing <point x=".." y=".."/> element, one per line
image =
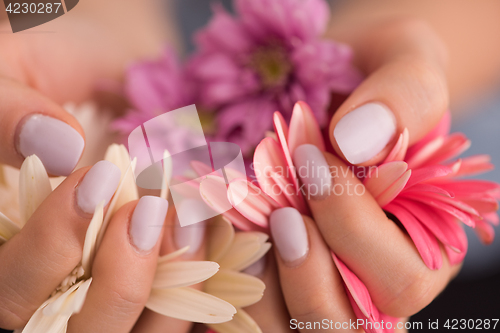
<point x="415" y="55"/>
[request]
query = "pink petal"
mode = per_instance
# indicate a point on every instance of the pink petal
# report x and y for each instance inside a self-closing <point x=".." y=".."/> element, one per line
<point x="485" y="232"/>
<point x="486" y="205"/>
<point x="293" y="195"/>
<point x="392" y="192"/>
<point x="368" y="322"/>
<point x="441" y="129"/>
<point x="454" y="145"/>
<point x="214" y="192"/>
<point x="427" y="173"/>
<point x="454" y="258"/>
<point x="268" y="157"/>
<point x="465" y="187"/>
<point x="356" y="288"/>
<point x="474" y="165"/>
<point x="427" y="245"/>
<point x="419" y="157"/>
<point x="491" y="217"/>
<point x="399" y="151"/>
<point x="381" y="178"/>
<point x="253" y="203"/>
<point x="429" y="188"/>
<point x="450" y="201"/>
<point x="439" y="204"/>
<point x="443" y="226"/>
<point x="304" y="128"/>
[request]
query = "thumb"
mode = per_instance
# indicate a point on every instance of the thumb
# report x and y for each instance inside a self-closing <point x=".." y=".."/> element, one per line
<point x="405" y="88"/>
<point x="32" y="124"/>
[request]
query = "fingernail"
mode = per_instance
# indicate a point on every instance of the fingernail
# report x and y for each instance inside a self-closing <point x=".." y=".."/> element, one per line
<point x="190" y="235"/>
<point x="99" y="184"/>
<point x="257" y="268"/>
<point x="289" y="234"/>
<point x="57" y="144"/>
<point x="313" y="170"/>
<point x="147" y="222"/>
<point x="364" y="132"/>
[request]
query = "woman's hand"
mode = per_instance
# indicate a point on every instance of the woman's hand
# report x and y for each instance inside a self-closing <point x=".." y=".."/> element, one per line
<point x="63" y="61"/>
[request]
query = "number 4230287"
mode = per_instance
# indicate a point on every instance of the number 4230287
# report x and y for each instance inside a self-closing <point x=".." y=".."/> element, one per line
<point x="33" y="8"/>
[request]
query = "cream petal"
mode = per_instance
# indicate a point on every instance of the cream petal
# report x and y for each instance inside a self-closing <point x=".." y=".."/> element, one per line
<point x="56" y="303"/>
<point x="7" y="228"/>
<point x="75" y="301"/>
<point x="118" y="155"/>
<point x="39" y="323"/>
<point x="241" y="323"/>
<point x="173" y="255"/>
<point x="167" y="174"/>
<point x="183" y="273"/>
<point x="34" y="186"/>
<point x="239" y="289"/>
<point x="89" y="247"/>
<point x="190" y="304"/>
<point x="252" y="260"/>
<point x="220" y="237"/>
<point x="242" y="253"/>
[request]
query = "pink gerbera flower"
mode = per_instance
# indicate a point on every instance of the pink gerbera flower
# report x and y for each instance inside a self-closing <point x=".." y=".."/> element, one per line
<point x="268" y="57"/>
<point x="277" y="187"/>
<point x="422" y="188"/>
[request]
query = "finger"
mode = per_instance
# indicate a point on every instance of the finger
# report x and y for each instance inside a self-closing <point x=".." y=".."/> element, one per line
<point x="405" y="88"/>
<point x="32" y="124"/>
<point x="175" y="237"/>
<point x="357" y="230"/>
<point x="311" y="284"/>
<point x="49" y="246"/>
<point x="123" y="269"/>
<point x="270" y="312"/>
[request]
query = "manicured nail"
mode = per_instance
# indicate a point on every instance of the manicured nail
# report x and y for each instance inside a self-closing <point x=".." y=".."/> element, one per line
<point x="190" y="235"/>
<point x="313" y="170"/>
<point x="147" y="222"/>
<point x="58" y="145"/>
<point x="99" y="184"/>
<point x="289" y="234"/>
<point x="257" y="268"/>
<point x="364" y="132"/>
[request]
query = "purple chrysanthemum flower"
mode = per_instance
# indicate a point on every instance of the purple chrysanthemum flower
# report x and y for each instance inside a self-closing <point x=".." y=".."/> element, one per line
<point x="265" y="59"/>
<point x="152" y="88"/>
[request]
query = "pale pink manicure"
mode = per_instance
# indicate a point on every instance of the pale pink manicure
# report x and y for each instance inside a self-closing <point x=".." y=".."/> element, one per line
<point x="99" y="184"/>
<point x="147" y="222"/>
<point x="313" y="170"/>
<point x="57" y="144"/>
<point x="289" y="234"/>
<point x="364" y="132"/>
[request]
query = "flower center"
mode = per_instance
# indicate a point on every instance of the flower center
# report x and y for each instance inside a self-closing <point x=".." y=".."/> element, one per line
<point x="272" y="65"/>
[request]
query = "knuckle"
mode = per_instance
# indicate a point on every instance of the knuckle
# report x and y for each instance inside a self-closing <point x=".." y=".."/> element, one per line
<point x="413" y="295"/>
<point x="128" y="298"/>
<point x="12" y="315"/>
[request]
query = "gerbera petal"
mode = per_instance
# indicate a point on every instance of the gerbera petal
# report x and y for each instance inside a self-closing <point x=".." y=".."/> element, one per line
<point x="70" y="301"/>
<point x="239" y="289"/>
<point x="381" y="178"/>
<point x="443" y="226"/>
<point x="427" y="245"/>
<point x="304" y="128"/>
<point x="453" y="145"/>
<point x="221" y="234"/>
<point x="454" y="257"/>
<point x="357" y="289"/>
<point x="485" y="231"/>
<point x="465" y="187"/>
<point x="167" y="174"/>
<point x="392" y="192"/>
<point x="429" y="188"/>
<point x="398" y="152"/>
<point x="89" y="247"/>
<point x="491" y="217"/>
<point x="34" y="186"/>
<point x="190" y="305"/>
<point x="214" y="193"/>
<point x="183" y="273"/>
<point x="173" y="255"/>
<point x="251" y="201"/>
<point x="420" y="156"/>
<point x="247" y="248"/>
<point x="241" y="323"/>
<point x="474" y="165"/>
<point x="441" y="129"/>
<point x="7" y="228"/>
<point x="40" y="323"/>
<point x="423" y="174"/>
